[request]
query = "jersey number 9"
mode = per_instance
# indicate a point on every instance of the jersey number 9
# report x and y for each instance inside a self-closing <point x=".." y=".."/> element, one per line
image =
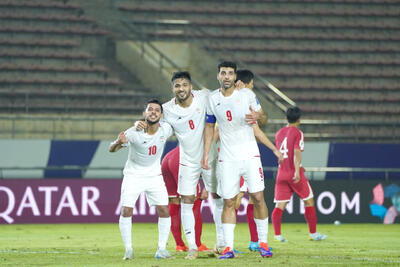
<point x="229" y="115"/>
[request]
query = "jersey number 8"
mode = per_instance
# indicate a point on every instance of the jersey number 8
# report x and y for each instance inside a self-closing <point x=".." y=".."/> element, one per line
<point x="191" y="124"/>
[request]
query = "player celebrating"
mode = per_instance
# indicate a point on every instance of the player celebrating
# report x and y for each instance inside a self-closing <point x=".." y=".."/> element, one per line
<point x="142" y="173"/>
<point x="291" y="178"/>
<point x="186" y="114"/>
<point x="239" y="154"/>
<point x="170" y="169"/>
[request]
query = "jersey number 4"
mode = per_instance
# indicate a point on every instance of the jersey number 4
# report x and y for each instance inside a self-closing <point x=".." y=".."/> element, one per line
<point x="152" y="150"/>
<point x="283" y="149"/>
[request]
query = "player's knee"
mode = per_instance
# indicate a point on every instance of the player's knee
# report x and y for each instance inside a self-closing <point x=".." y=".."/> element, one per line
<point x="175" y="200"/>
<point x="126" y="212"/>
<point x="229" y="203"/>
<point x="163" y="211"/>
<point x="257" y="198"/>
<point x="188" y="199"/>
<point x="309" y="202"/>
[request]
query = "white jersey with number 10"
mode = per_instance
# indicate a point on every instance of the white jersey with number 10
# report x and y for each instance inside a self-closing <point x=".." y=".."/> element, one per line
<point x="145" y="150"/>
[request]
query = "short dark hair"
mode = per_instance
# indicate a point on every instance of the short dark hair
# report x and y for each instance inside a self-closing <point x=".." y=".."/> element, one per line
<point x="154" y="101"/>
<point x="244" y="75"/>
<point x="181" y="74"/>
<point x="227" y="64"/>
<point x="293" y="114"/>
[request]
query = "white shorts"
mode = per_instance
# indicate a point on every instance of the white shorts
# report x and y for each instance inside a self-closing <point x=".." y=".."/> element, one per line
<point x="189" y="176"/>
<point x="229" y="173"/>
<point x="153" y="186"/>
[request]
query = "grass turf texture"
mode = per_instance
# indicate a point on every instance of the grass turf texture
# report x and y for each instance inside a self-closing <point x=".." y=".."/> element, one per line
<point x="101" y="245"/>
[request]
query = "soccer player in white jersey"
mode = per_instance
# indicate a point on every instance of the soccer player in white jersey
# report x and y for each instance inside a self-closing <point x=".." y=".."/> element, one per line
<point x="186" y="114"/>
<point x="238" y="156"/>
<point x="142" y="173"/>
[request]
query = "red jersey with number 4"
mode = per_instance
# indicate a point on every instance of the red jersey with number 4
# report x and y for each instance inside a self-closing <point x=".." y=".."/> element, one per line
<point x="287" y="140"/>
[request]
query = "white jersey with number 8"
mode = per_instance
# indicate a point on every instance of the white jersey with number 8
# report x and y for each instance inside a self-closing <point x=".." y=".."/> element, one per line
<point x="188" y="124"/>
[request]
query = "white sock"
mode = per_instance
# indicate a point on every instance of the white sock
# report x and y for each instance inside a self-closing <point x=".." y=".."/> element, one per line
<point x="262" y="229"/>
<point x="229" y="233"/>
<point x="125" y="227"/>
<point x="164" y="226"/>
<point x="187" y="218"/>
<point x="219" y="205"/>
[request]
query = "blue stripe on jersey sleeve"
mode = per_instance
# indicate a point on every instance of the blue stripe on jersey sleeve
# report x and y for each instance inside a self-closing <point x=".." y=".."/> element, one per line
<point x="210" y="118"/>
<point x="258" y="102"/>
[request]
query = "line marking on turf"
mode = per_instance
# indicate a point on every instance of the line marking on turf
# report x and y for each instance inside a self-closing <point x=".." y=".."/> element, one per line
<point x="352" y="258"/>
<point x="46" y="252"/>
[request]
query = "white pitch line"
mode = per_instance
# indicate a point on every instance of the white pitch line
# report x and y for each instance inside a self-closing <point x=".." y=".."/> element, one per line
<point x="46" y="252"/>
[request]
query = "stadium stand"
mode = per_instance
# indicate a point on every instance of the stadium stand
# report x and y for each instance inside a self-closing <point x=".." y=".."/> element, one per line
<point x="338" y="60"/>
<point x="52" y="61"/>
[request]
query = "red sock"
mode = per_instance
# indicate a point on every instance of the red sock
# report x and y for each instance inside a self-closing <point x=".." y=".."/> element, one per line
<point x="198" y="221"/>
<point x="277" y="220"/>
<point x="174" y="212"/>
<point x="311" y="218"/>
<point x="252" y="223"/>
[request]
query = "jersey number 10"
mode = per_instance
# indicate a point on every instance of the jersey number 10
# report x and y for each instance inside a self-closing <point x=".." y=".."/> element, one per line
<point x="152" y="150"/>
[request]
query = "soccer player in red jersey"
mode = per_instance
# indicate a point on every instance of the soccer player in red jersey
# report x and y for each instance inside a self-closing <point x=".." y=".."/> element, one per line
<point x="170" y="169"/>
<point x="291" y="178"/>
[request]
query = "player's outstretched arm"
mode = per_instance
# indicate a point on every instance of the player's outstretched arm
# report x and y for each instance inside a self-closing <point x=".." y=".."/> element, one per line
<point x="208" y="138"/>
<point x="117" y="144"/>
<point x="297" y="162"/>
<point x="261" y="137"/>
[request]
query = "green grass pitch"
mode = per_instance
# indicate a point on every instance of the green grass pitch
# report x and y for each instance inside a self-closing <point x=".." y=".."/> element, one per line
<point x="101" y="245"/>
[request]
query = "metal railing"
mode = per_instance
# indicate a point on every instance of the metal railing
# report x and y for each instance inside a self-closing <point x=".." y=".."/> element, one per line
<point x="188" y="25"/>
<point x="160" y="57"/>
<point x="83" y="169"/>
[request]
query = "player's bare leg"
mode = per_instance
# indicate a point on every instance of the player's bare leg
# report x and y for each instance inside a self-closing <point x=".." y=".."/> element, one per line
<point x="228" y="225"/>
<point x="188" y="225"/>
<point x="261" y="220"/>
<point x="277" y="220"/>
<point x="125" y="227"/>
<point x="311" y="219"/>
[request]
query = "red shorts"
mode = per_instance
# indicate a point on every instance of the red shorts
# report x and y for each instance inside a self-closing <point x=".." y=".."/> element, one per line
<point x="285" y="187"/>
<point x="170" y="169"/>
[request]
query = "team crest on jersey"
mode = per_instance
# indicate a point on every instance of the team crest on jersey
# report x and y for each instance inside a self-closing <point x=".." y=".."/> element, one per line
<point x="238" y="101"/>
<point x="162" y="138"/>
<point x="198" y="110"/>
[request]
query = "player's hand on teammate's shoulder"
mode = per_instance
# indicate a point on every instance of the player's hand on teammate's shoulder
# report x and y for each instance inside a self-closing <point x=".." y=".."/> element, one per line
<point x="140" y="125"/>
<point x="252" y="117"/>
<point x="239" y="85"/>
<point x="122" y="138"/>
